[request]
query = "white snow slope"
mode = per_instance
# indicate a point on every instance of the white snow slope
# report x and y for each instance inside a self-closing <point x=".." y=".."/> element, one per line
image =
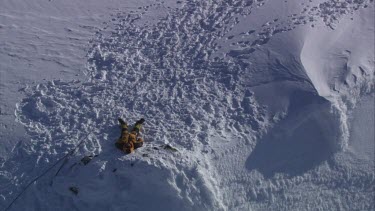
<point x="270" y="104"/>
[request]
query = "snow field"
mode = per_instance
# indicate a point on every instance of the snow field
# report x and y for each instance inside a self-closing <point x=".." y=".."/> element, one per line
<point x="252" y="120"/>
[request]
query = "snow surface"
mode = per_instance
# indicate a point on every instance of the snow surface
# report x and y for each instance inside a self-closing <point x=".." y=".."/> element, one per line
<point x="270" y="104"/>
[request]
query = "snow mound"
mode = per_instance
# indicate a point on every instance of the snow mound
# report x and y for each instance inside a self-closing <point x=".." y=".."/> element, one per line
<point x="342" y="70"/>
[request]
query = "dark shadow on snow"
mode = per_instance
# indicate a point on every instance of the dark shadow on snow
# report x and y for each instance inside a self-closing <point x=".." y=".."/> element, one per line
<point x="301" y="141"/>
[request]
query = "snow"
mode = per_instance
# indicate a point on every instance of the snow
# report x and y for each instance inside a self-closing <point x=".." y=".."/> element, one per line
<point x="270" y="104"/>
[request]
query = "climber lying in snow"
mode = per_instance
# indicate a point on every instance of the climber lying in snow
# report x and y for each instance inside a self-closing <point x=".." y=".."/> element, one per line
<point x="129" y="141"/>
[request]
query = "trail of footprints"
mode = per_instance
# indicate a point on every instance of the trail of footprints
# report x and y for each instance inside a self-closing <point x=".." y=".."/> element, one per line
<point x="330" y="12"/>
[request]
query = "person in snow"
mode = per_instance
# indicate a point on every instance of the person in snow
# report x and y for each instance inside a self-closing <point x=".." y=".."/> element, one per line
<point x="128" y="142"/>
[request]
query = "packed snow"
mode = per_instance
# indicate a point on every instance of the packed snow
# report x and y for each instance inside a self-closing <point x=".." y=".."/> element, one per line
<point x="249" y="105"/>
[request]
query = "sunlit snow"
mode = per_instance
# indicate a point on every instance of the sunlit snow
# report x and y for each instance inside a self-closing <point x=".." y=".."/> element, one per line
<point x="269" y="104"/>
